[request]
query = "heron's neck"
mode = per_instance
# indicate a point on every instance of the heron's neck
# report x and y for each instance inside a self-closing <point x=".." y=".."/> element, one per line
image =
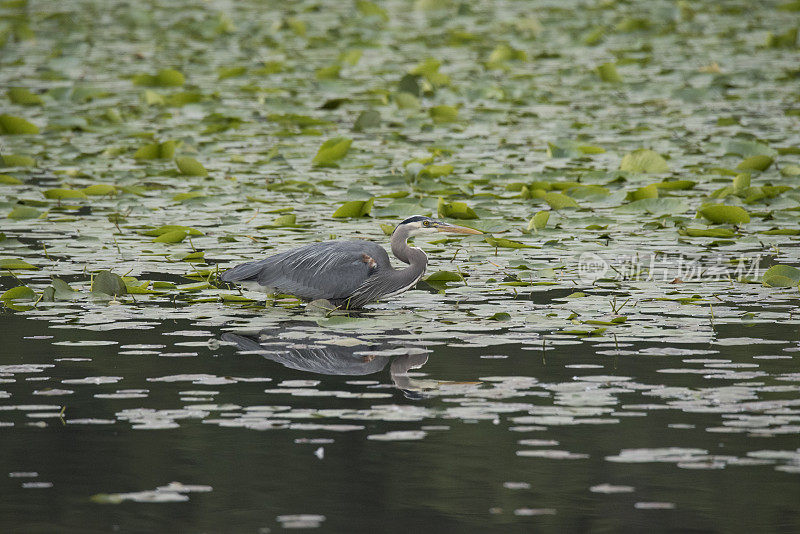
<point x="407" y="254"/>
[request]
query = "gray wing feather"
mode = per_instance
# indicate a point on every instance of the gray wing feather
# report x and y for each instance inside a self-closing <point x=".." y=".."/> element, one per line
<point x="330" y="270"/>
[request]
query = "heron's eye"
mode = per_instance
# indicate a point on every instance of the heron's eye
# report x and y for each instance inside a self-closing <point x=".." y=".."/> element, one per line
<point x="426" y="223"/>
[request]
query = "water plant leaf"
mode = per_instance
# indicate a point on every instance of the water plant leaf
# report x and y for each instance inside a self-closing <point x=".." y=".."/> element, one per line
<point x="62" y="194"/>
<point x="24" y="212"/>
<point x="758" y="162"/>
<point x="354" y="208"/>
<point x="172" y="236"/>
<point x="608" y="73"/>
<point x="455" y="210"/>
<point x="164" y="150"/>
<point x="231" y="72"/>
<point x="781" y="276"/>
<point x="707" y="232"/>
<point x="163" y="78"/>
<point x="367" y="119"/>
<point x="444" y="276"/>
<point x="190" y="166"/>
<point x="161" y="230"/>
<point x="371" y="9"/>
<point x="18" y="293"/>
<point x="656" y="206"/>
<point x="436" y="171"/>
<point x="332" y="151"/>
<point x="747" y="149"/>
<point x="11" y="125"/>
<point x="7" y="179"/>
<point x="648" y="191"/>
<point x="443" y="114"/>
<point x="18" y="160"/>
<point x="722" y="214"/>
<point x="285" y="221"/>
<point x="16" y="264"/>
<point x="108" y="283"/>
<point x="99" y="190"/>
<point x="62" y="290"/>
<point x="24" y="97"/>
<point x="501" y="242"/>
<point x="559" y="201"/>
<point x="539" y="221"/>
<point x="643" y="160"/>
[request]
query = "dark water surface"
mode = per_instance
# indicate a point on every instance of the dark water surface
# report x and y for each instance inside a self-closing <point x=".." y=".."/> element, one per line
<point x="726" y="446"/>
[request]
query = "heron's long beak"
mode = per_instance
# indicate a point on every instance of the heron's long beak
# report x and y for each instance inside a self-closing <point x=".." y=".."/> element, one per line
<point x="453" y="229"/>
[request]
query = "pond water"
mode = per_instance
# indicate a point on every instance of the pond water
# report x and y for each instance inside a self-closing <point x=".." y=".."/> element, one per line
<point x="189" y="431"/>
<point x="618" y="351"/>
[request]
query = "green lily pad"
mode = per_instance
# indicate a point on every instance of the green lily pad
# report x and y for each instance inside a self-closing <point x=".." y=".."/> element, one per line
<point x="11" y="125"/>
<point x="18" y="293"/>
<point x="755" y="163"/>
<point x="608" y="73"/>
<point x="16" y="264"/>
<point x="707" y="232"/>
<point x="190" y="166"/>
<point x="444" y="276"/>
<point x="455" y="210"/>
<point x="539" y="221"/>
<point x="6" y="179"/>
<point x="64" y="194"/>
<point x="165" y="150"/>
<point x="781" y="276"/>
<point x="173" y="236"/>
<point x="722" y="214"/>
<point x="366" y="120"/>
<point x="100" y="190"/>
<point x="501" y="242"/>
<point x="656" y="206"/>
<point x="436" y="171"/>
<point x="645" y="161"/>
<point x="559" y="201"/>
<point x="332" y="151"/>
<point x="354" y="208"/>
<point x="164" y="78"/>
<point x="161" y="230"/>
<point x="443" y="114"/>
<point x="18" y="160"/>
<point x="108" y="283"/>
<point x="24" y="97"/>
<point x="20" y="213"/>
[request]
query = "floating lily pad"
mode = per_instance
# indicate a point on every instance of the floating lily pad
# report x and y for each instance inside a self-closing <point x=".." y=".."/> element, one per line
<point x="24" y="97"/>
<point x="108" y="283"/>
<point x="332" y="151"/>
<point x="23" y="293"/>
<point x="190" y="166"/>
<point x="645" y="161"/>
<point x="14" y="264"/>
<point x="24" y="212"/>
<point x="781" y="276"/>
<point x="354" y="208"/>
<point x="11" y="125"/>
<point x="722" y="214"/>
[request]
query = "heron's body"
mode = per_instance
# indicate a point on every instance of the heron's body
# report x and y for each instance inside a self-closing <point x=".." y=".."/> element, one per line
<point x="351" y="273"/>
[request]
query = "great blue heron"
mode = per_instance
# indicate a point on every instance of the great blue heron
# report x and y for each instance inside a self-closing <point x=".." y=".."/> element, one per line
<point x="348" y="273"/>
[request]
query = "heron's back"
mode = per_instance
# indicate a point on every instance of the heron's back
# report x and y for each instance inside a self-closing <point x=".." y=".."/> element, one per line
<point x="330" y="270"/>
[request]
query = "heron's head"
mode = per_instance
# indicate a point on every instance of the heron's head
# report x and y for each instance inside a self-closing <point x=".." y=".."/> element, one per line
<point x="419" y="224"/>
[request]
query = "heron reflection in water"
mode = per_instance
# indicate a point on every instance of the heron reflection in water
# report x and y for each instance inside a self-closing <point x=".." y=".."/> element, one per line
<point x="329" y="358"/>
<point x="348" y="273"/>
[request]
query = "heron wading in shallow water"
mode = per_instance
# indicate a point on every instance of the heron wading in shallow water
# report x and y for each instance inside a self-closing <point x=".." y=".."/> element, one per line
<point x="348" y="273"/>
